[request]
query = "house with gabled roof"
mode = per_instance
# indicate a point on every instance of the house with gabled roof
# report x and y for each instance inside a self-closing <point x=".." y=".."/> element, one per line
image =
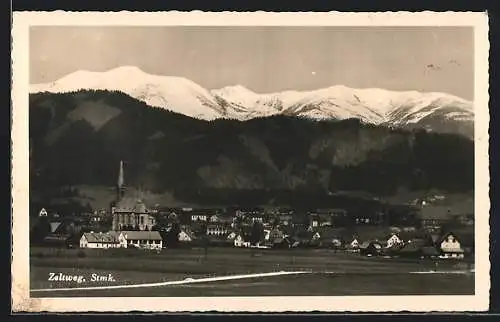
<point x="351" y="244"/>
<point x="140" y="239"/>
<point x="417" y="249"/>
<point x="185" y="235"/>
<point x="99" y="240"/>
<point x="330" y="237"/>
<point x="303" y="237"/>
<point x="242" y="240"/>
<point x="217" y="229"/>
<point x="284" y="242"/>
<point x="450" y="246"/>
<point x="371" y="248"/>
<point x="392" y="240"/>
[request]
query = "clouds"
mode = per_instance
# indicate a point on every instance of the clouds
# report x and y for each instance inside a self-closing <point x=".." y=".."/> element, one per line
<point x="267" y="59"/>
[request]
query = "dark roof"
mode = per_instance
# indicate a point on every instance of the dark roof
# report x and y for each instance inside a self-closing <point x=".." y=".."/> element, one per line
<point x="57" y="237"/>
<point x="304" y="234"/>
<point x="412" y="247"/>
<point x="411" y="235"/>
<point x="147" y="235"/>
<point x="215" y="226"/>
<point x="464" y="236"/>
<point x="444" y="236"/>
<point x="327" y="233"/>
<point x="101" y="238"/>
<point x="367" y="233"/>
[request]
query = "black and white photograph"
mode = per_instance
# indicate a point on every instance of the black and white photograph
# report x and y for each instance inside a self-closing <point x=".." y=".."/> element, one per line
<point x="236" y="160"/>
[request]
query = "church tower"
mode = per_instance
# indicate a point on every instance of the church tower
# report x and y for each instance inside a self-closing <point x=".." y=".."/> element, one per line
<point x="118" y="218"/>
<point x="120" y="187"/>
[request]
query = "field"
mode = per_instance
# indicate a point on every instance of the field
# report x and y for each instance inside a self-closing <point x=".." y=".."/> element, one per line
<point x="329" y="273"/>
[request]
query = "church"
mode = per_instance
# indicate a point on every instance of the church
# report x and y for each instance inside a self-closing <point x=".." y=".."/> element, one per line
<point x="129" y="213"/>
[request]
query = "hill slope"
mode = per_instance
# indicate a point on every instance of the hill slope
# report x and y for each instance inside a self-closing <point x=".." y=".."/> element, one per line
<point x="79" y="138"/>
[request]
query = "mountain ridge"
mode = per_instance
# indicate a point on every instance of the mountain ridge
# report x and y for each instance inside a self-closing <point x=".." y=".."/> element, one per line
<point x="434" y="111"/>
<point x="80" y="138"/>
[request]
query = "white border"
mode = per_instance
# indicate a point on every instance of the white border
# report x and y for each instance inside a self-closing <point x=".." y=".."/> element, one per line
<point x="20" y="254"/>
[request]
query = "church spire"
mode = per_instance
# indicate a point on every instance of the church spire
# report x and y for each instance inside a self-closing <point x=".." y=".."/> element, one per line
<point x="120" y="176"/>
<point x="120" y="184"/>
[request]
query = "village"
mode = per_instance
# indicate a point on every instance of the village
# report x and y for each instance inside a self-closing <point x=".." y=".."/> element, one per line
<point x="431" y="231"/>
<point x="136" y="226"/>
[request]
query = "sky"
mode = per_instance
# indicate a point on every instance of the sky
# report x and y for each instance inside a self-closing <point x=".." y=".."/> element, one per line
<point x="267" y="59"/>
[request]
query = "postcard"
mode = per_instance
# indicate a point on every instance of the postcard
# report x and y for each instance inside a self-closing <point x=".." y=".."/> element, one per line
<point x="250" y="162"/>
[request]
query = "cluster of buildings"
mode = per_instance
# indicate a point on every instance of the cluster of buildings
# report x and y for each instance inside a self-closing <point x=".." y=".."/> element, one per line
<point x="134" y="225"/>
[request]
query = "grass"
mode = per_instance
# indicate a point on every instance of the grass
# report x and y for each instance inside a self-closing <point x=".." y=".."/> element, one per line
<point x="302" y="285"/>
<point x="352" y="272"/>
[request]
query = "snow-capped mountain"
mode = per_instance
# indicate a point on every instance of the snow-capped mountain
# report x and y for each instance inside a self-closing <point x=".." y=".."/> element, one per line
<point x="177" y="94"/>
<point x="371" y="105"/>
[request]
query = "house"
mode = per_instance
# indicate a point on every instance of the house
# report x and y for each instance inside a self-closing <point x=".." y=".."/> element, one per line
<point x="316" y="236"/>
<point x="392" y="240"/>
<point x="129" y="212"/>
<point x="232" y="235"/>
<point x="54" y="226"/>
<point x="214" y="219"/>
<point x="303" y="237"/>
<point x="140" y="239"/>
<point x="241" y="241"/>
<point x="250" y="212"/>
<point x="276" y="233"/>
<point x="198" y="217"/>
<point x="62" y="239"/>
<point x="100" y="240"/>
<point x="253" y="218"/>
<point x="332" y="217"/>
<point x="267" y="234"/>
<point x="416" y="235"/>
<point x="216" y="230"/>
<point x="363" y="220"/>
<point x="285" y="220"/>
<point x="285" y="242"/>
<point x="222" y="219"/>
<point x="43" y="213"/>
<point x="433" y="217"/>
<point x="185" y="235"/>
<point x="450" y="247"/>
<point x="328" y="237"/>
<point x="221" y="240"/>
<point x="371" y="248"/>
<point x="413" y="249"/>
<point x="352" y="245"/>
<point x="320" y="219"/>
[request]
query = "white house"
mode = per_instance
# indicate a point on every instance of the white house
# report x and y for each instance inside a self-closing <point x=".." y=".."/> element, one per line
<point x="393" y="240"/>
<point x="267" y="234"/>
<point x="216" y="230"/>
<point x="353" y="245"/>
<point x="215" y="219"/>
<point x="99" y="240"/>
<point x="43" y="213"/>
<point x="231" y="236"/>
<point x="240" y="242"/>
<point x="185" y="236"/>
<point x="140" y="239"/>
<point x="198" y="217"/>
<point x="451" y="247"/>
<point x="316" y="236"/>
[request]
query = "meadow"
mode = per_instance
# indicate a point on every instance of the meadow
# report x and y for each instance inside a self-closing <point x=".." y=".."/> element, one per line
<point x="332" y="273"/>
